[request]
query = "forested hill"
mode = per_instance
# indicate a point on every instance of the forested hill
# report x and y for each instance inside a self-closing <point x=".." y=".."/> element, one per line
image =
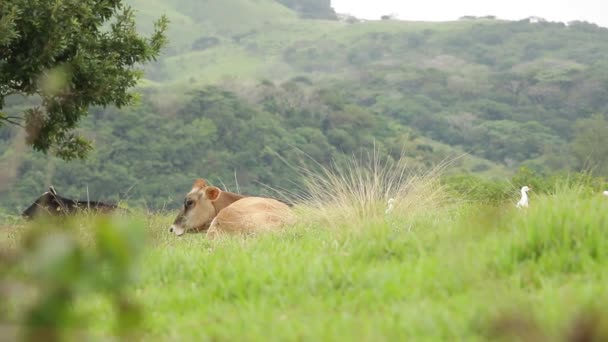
<point x="312" y="9"/>
<point x="244" y="82"/>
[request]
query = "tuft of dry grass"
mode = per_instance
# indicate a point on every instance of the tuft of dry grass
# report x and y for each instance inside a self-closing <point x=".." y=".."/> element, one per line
<point x="357" y="190"/>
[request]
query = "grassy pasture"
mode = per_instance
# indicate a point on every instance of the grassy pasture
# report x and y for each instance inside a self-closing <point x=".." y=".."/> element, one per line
<point x="436" y="268"/>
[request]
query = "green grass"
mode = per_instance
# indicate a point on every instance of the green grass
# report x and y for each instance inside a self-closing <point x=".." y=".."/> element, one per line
<point x="461" y="271"/>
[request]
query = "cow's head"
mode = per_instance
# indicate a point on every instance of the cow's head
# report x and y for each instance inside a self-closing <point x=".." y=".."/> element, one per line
<point x="47" y="203"/>
<point x="198" y="210"/>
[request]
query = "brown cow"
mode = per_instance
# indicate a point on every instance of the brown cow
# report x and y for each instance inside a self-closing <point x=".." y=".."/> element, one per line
<point x="251" y="214"/>
<point x="209" y="209"/>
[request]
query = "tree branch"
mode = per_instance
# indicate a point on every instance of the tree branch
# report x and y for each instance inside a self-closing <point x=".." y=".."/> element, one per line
<point x="9" y="93"/>
<point x="11" y="120"/>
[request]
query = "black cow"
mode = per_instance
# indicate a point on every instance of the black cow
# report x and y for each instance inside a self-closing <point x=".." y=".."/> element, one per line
<point x="52" y="204"/>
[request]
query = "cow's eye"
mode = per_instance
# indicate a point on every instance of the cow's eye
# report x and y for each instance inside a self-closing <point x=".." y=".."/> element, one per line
<point x="188" y="203"/>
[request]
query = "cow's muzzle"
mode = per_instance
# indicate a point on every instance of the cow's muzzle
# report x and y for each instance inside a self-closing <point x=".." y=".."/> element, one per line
<point x="179" y="231"/>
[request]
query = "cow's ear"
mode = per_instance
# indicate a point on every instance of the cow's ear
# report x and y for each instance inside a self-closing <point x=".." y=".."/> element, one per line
<point x="212" y="193"/>
<point x="52" y="190"/>
<point x="199" y="183"/>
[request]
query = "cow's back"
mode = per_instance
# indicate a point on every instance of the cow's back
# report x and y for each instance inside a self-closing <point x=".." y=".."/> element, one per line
<point x="251" y="214"/>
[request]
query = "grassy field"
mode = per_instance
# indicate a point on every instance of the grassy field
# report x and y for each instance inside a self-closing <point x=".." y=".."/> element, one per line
<point x="435" y="268"/>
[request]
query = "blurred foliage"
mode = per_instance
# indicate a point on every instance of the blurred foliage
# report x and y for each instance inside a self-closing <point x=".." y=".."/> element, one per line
<point x="69" y="55"/>
<point x="59" y="266"/>
<point x="550" y="183"/>
<point x="478" y="189"/>
<point x="590" y="145"/>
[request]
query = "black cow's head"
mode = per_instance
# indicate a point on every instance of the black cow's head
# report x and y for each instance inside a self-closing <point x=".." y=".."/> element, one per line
<point x="50" y="203"/>
<point x="47" y="203"/>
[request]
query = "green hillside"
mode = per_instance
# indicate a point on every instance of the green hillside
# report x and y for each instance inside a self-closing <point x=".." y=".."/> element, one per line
<point x="213" y="40"/>
<point x="244" y="84"/>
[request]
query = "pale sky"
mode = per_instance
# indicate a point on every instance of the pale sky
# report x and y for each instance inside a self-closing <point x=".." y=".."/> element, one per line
<point x="595" y="11"/>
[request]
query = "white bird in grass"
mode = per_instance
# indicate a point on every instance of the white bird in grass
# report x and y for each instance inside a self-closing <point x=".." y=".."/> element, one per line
<point x="389" y="206"/>
<point x="606" y="193"/>
<point x="523" y="201"/>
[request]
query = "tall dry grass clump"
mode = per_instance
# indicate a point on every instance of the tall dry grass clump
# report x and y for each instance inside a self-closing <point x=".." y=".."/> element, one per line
<point x="358" y="190"/>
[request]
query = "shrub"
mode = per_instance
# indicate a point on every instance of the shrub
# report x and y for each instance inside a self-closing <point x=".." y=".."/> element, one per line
<point x="55" y="265"/>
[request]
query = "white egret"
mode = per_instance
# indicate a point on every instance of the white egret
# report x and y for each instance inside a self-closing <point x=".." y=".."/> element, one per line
<point x="523" y="201"/>
<point x="389" y="206"/>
